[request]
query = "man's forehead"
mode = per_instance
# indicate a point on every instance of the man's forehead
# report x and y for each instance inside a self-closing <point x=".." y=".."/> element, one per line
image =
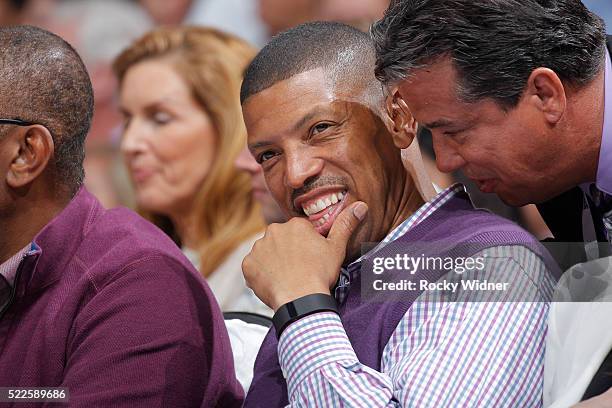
<point x="431" y="93"/>
<point x="312" y="82"/>
<point x="438" y="78"/>
<point x="284" y="104"/>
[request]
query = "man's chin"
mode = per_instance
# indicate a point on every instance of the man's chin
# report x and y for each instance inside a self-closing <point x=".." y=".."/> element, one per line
<point x="355" y="247"/>
<point x="513" y="199"/>
<point x="324" y="229"/>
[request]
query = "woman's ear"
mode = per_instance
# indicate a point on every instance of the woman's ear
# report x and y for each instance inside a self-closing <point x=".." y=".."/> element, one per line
<point x="401" y="123"/>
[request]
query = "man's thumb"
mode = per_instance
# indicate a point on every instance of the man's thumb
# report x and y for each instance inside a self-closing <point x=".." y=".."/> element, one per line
<point x="346" y="223"/>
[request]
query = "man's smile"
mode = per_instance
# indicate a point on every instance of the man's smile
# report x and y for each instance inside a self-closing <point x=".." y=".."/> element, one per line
<point x="322" y="205"/>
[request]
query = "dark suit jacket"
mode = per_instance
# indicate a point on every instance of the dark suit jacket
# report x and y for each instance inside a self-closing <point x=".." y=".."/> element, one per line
<point x="563" y="214"/>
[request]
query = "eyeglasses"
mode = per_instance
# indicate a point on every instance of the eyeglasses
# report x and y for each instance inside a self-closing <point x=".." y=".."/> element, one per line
<point x="17" y="122"/>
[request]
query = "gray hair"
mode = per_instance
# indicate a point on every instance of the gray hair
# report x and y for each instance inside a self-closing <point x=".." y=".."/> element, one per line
<point x="493" y="44"/>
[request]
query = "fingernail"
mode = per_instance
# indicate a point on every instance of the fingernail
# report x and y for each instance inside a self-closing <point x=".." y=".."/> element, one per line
<point x="360" y="211"/>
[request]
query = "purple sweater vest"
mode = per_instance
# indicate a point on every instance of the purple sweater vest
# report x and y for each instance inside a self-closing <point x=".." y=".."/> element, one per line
<point x="455" y="229"/>
<point x="109" y="307"/>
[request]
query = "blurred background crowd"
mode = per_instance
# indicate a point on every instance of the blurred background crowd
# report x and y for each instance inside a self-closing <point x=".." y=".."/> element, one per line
<point x="100" y="29"/>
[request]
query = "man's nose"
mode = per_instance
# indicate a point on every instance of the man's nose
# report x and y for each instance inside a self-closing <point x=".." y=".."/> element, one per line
<point x="447" y="157"/>
<point x="300" y="168"/>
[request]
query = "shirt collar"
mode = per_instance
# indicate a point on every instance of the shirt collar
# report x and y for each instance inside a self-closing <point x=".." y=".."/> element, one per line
<point x="604" y="166"/>
<point x="8" y="269"/>
<point x="416" y="218"/>
<point x="347" y="274"/>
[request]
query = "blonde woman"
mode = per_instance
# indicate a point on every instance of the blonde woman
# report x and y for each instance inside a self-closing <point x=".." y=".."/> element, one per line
<point x="179" y="95"/>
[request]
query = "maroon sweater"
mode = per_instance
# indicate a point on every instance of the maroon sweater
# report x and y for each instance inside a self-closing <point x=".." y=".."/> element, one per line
<point x="108" y="307"/>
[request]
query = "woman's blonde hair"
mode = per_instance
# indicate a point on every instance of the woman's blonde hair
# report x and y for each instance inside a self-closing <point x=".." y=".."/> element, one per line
<point x="212" y="63"/>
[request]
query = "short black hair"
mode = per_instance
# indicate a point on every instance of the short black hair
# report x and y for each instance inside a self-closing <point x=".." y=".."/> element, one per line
<point x="494" y="44"/>
<point x="305" y="47"/>
<point x="43" y="80"/>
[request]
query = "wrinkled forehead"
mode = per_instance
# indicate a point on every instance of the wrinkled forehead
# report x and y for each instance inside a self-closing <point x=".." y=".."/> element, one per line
<point x="285" y="104"/>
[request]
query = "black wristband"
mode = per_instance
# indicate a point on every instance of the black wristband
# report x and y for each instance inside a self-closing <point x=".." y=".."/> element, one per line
<point x="301" y="307"/>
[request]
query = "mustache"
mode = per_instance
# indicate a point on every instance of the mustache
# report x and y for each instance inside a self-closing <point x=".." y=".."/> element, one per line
<point x="316" y="182"/>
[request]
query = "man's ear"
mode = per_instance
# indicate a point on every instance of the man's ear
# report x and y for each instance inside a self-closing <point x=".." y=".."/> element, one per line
<point x="31" y="149"/>
<point x="401" y="123"/>
<point x="546" y="92"/>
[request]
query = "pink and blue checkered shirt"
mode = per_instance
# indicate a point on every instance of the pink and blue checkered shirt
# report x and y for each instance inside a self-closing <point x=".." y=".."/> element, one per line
<point x="441" y="354"/>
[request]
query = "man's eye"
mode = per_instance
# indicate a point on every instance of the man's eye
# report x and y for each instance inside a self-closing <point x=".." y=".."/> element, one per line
<point x="319" y="127"/>
<point x="267" y="155"/>
<point x="454" y="133"/>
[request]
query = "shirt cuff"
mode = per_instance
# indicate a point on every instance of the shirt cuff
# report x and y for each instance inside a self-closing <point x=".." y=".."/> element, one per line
<point x="311" y="343"/>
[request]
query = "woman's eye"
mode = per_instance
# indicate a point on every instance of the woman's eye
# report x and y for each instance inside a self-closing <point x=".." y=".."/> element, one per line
<point x="267" y="155"/>
<point x="161" y="118"/>
<point x="126" y="121"/>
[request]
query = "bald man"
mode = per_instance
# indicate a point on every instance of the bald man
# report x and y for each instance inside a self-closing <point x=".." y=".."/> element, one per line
<point x="99" y="303"/>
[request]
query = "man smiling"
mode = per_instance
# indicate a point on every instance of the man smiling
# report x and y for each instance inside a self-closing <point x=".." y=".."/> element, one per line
<point x="313" y="111"/>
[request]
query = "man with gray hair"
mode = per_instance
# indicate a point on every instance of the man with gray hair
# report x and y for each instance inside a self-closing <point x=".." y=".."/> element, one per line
<point x="512" y="91"/>
<point x="99" y="303"/>
<point x="517" y="94"/>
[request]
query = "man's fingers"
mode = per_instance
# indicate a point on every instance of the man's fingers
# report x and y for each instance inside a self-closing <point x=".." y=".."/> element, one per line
<point x="346" y="223"/>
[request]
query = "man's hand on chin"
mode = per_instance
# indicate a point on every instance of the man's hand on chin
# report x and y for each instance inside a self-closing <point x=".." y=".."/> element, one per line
<point x="293" y="260"/>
